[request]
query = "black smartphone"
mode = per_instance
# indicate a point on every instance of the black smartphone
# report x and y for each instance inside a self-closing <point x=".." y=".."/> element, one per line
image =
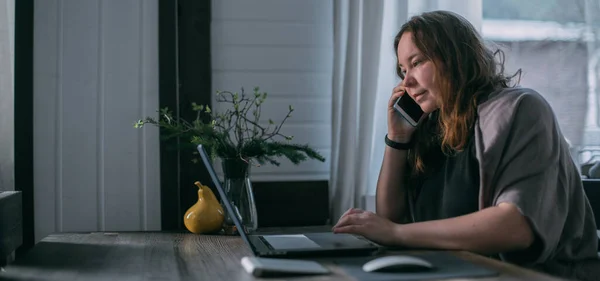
<point x="409" y="109"/>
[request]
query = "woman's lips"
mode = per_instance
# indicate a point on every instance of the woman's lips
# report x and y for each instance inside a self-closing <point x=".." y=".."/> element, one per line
<point x="419" y="96"/>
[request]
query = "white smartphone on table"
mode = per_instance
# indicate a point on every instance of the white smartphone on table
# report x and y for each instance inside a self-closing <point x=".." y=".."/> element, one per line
<point x="272" y="267"/>
<point x="409" y="109"/>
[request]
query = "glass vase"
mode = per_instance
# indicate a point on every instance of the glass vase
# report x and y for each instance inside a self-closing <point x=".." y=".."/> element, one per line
<point x="237" y="185"/>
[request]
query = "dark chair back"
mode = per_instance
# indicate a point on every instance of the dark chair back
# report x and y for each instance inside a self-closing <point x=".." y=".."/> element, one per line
<point x="592" y="191"/>
<point x="11" y="224"/>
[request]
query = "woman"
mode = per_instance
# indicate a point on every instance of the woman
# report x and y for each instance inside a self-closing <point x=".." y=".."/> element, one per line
<point x="486" y="171"/>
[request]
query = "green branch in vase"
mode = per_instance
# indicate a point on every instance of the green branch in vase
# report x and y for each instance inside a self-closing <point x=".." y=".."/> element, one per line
<point x="236" y="132"/>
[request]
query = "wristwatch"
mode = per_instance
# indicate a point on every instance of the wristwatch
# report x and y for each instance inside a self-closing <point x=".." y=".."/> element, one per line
<point x="397" y="145"/>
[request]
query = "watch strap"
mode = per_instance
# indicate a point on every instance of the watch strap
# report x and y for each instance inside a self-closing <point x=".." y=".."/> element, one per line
<point x="397" y="145"/>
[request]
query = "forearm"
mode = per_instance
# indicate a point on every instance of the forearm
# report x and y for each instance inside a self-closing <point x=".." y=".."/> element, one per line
<point x="390" y="193"/>
<point x="489" y="231"/>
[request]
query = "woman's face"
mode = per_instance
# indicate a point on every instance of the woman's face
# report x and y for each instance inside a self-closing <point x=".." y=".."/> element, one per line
<point x="419" y="74"/>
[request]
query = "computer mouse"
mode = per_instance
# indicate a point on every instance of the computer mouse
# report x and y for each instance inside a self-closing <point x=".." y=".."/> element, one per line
<point x="398" y="263"/>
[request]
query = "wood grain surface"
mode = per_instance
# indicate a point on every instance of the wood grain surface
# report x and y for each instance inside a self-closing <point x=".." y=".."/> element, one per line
<point x="170" y="256"/>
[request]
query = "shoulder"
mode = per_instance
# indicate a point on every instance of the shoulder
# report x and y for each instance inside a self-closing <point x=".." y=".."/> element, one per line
<point x="514" y="126"/>
<point x="512" y="119"/>
<point x="503" y="107"/>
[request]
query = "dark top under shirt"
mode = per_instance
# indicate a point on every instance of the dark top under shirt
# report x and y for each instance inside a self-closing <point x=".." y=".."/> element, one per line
<point x="453" y="190"/>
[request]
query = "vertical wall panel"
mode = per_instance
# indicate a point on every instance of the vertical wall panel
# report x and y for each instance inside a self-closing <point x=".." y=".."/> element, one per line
<point x="121" y="91"/>
<point x="79" y="115"/>
<point x="149" y="148"/>
<point x="7" y="130"/>
<point x="45" y="105"/>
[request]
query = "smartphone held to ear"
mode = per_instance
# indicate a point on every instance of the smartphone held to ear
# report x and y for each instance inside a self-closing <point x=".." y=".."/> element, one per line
<point x="409" y="109"/>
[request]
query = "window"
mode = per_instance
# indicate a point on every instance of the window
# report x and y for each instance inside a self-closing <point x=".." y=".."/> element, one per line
<point x="553" y="42"/>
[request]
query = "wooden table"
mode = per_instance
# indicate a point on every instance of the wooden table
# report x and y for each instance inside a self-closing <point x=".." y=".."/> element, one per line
<point x="169" y="256"/>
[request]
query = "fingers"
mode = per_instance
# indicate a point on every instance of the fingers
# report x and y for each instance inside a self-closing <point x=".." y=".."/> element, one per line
<point x="398" y="88"/>
<point x="396" y="94"/>
<point x="359" y="217"/>
<point x="347" y="212"/>
<point x="345" y="220"/>
<point x="354" y="211"/>
<point x="354" y="229"/>
<point x="351" y="211"/>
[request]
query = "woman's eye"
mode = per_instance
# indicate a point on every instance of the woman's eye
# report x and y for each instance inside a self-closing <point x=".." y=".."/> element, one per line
<point x="417" y="62"/>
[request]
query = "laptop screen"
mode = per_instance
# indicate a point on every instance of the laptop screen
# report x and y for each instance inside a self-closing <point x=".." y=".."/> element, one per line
<point x="226" y="203"/>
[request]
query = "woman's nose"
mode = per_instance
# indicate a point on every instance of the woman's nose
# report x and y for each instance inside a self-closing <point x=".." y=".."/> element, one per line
<point x="408" y="80"/>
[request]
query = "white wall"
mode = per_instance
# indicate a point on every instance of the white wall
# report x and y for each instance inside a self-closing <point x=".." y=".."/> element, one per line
<point x="95" y="73"/>
<point x="7" y="129"/>
<point x="286" y="48"/>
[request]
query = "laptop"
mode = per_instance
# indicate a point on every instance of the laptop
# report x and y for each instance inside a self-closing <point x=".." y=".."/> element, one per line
<point x="292" y="245"/>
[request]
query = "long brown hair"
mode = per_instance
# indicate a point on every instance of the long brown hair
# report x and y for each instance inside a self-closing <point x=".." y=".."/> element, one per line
<point x="466" y="70"/>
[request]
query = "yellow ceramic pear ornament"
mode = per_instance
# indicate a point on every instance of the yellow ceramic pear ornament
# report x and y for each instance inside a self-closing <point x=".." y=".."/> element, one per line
<point x="206" y="215"/>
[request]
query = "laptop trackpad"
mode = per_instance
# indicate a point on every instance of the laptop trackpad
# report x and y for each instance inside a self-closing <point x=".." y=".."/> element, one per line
<point x="295" y="241"/>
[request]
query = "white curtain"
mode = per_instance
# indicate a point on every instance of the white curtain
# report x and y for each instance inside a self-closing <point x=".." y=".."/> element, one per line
<point x="363" y="71"/>
<point x="363" y="78"/>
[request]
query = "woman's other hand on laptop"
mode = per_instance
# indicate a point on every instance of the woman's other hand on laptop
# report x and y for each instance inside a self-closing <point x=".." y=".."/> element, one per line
<point x="369" y="225"/>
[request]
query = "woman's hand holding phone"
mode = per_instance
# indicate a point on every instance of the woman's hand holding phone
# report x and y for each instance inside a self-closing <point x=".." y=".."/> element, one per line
<point x="399" y="130"/>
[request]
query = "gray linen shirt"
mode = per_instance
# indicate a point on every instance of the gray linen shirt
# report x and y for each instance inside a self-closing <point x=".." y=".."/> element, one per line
<point x="524" y="159"/>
